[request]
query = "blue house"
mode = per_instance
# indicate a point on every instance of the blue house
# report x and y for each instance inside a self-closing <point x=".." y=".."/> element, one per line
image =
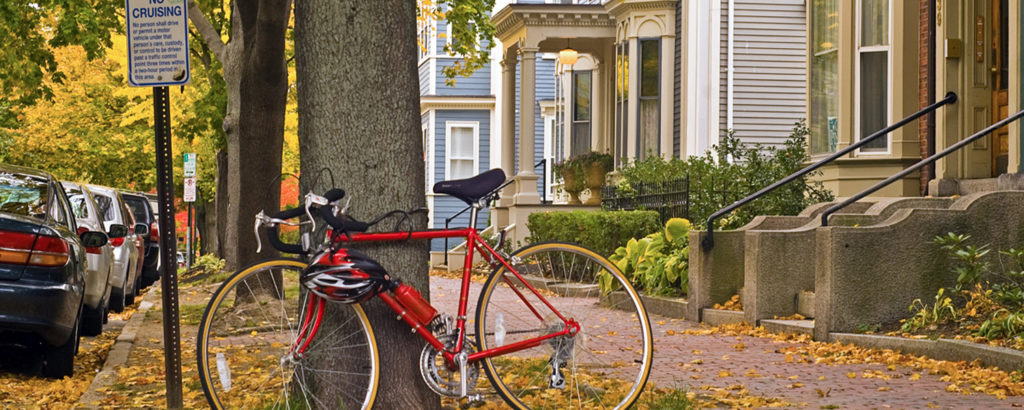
<point x="460" y="128"/>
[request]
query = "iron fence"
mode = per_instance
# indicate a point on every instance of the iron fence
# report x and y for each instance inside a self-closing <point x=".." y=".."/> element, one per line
<point x="671" y="199"/>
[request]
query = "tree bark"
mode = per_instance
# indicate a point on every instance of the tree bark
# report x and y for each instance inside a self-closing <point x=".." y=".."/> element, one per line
<point x="221" y="204"/>
<point x="358" y="100"/>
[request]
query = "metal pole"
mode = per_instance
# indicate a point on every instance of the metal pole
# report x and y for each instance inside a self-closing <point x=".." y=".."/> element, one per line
<point x="188" y="238"/>
<point x="169" y="284"/>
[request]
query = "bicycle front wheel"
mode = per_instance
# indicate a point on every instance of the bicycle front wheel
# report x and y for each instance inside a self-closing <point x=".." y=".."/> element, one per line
<point x="248" y="337"/>
<point x="603" y="365"/>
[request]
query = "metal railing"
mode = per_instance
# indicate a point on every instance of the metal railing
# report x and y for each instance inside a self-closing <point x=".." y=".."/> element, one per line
<point x="708" y="242"/>
<point x="920" y="164"/>
<point x="543" y="164"/>
<point x="671" y="199"/>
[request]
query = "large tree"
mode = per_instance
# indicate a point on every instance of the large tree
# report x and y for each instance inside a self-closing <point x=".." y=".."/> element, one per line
<point x="256" y="79"/>
<point x="359" y="115"/>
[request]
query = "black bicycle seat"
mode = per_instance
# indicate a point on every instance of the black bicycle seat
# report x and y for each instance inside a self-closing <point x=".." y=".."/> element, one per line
<point x="470" y="190"/>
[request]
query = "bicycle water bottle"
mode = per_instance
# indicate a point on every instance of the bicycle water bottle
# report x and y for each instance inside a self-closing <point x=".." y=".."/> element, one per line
<point x="499" y="330"/>
<point x="224" y="372"/>
<point x="412" y="300"/>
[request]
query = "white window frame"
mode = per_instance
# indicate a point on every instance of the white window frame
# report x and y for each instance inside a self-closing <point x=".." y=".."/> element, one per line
<point x="448" y="125"/>
<point x="549" y="154"/>
<point x="857" y="80"/>
<point x="428" y="161"/>
<point x="431" y="46"/>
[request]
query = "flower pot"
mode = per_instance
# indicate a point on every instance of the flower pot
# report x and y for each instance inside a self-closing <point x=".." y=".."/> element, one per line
<point x="594" y="178"/>
<point x="569" y="179"/>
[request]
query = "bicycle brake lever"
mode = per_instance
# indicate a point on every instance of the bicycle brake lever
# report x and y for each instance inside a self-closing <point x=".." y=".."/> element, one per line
<point x="256" y="230"/>
<point x="344" y="209"/>
<point x="313" y="199"/>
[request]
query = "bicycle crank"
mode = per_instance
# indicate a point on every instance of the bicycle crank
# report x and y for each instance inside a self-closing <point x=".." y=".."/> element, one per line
<point x="439" y="377"/>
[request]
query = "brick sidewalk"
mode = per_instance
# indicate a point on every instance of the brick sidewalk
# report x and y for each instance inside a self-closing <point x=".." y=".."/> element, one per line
<point x="696" y="362"/>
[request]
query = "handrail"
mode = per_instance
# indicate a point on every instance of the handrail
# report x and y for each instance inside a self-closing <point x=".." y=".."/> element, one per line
<point x="543" y="164"/>
<point x="920" y="164"/>
<point x="708" y="242"/>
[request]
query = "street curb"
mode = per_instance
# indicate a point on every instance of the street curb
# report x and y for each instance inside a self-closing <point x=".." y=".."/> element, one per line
<point x="119" y="353"/>
<point x="940" y="349"/>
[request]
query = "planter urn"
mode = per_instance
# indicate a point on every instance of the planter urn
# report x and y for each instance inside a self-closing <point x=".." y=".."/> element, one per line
<point x="569" y="178"/>
<point x="594" y="178"/>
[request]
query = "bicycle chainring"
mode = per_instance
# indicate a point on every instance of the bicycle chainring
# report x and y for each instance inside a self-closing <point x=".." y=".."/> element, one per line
<point x="438" y="376"/>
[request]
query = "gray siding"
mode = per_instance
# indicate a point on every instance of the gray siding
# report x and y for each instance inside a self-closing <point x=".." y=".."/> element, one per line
<point x="477" y="84"/>
<point x="425" y="77"/>
<point x="770" y="62"/>
<point x="446" y="206"/>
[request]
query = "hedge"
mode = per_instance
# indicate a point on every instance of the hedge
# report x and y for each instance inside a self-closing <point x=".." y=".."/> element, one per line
<point x="601" y="231"/>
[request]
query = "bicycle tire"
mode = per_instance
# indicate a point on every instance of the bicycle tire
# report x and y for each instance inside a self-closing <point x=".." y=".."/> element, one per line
<point x="606" y="364"/>
<point x="242" y="349"/>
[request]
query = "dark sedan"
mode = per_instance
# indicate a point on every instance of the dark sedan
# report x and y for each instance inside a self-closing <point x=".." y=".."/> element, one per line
<point x="42" y="267"/>
<point x="140" y="206"/>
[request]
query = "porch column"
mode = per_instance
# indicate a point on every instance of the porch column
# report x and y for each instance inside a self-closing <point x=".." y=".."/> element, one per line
<point x="526" y="180"/>
<point x="508" y="123"/>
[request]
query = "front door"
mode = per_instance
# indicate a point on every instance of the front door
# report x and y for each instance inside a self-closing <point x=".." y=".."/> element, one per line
<point x="1000" y="82"/>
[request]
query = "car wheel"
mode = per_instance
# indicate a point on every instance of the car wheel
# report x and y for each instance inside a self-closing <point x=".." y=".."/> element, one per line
<point x="139" y="286"/>
<point x="92" y="321"/>
<point x="59" y="361"/>
<point x="129" y="293"/>
<point x="106" y="312"/>
<point x="117" y="300"/>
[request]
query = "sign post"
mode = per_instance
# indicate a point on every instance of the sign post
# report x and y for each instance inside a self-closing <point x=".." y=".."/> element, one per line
<point x="158" y="58"/>
<point x="190" y="197"/>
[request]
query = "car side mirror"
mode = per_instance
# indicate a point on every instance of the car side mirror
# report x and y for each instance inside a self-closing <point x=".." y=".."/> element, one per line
<point x="117" y="231"/>
<point x="93" y="239"/>
<point x="141" y="229"/>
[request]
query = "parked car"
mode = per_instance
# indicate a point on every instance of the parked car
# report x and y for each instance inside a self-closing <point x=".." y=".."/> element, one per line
<point x="126" y="249"/>
<point x="42" y="267"/>
<point x="99" y="261"/>
<point x="144" y="213"/>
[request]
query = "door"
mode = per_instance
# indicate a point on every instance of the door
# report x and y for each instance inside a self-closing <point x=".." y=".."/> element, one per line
<point x="1000" y="83"/>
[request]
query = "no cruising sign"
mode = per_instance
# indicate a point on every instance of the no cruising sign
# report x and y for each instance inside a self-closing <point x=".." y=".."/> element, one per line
<point x="157" y="42"/>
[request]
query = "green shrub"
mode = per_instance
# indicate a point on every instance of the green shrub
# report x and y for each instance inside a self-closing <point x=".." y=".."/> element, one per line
<point x="602" y="231"/>
<point x="657" y="263"/>
<point x="732" y="171"/>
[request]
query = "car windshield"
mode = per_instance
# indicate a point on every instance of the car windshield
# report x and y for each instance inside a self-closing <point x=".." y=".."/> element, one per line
<point x="78" y="206"/>
<point x="138" y="207"/>
<point x="23" y="194"/>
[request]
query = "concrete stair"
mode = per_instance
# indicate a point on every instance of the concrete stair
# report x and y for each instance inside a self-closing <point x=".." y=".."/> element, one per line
<point x="800" y="327"/>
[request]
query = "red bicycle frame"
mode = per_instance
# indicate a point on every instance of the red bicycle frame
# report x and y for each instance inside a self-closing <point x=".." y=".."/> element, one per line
<point x="473" y="241"/>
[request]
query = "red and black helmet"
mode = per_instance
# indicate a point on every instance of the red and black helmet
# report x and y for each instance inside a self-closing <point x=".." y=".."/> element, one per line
<point x="345" y="275"/>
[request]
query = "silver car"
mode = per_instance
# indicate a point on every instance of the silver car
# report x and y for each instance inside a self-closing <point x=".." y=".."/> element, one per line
<point x="99" y="261"/>
<point x="125" y="273"/>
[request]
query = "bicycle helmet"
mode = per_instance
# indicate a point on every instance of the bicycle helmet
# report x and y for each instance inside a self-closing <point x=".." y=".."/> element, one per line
<point x="345" y="275"/>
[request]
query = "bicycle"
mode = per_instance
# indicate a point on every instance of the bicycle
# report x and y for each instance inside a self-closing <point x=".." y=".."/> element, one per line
<point x="544" y="333"/>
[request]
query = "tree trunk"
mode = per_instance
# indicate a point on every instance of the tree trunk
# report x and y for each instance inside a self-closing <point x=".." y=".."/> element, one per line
<point x="257" y="83"/>
<point x="359" y="115"/>
<point x="221" y="212"/>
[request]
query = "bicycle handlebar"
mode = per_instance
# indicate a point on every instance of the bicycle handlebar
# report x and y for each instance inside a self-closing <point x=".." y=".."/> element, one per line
<point x="274" y="221"/>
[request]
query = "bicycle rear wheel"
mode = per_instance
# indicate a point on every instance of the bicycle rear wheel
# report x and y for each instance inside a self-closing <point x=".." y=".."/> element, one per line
<point x="249" y="329"/>
<point x="604" y="365"/>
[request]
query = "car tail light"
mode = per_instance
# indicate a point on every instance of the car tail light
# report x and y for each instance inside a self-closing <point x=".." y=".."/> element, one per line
<point x="117" y="241"/>
<point x="28" y="249"/>
<point x="154" y="232"/>
<point x="82" y="229"/>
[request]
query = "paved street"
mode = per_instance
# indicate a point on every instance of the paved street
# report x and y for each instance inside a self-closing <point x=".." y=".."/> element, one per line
<point x="690" y="356"/>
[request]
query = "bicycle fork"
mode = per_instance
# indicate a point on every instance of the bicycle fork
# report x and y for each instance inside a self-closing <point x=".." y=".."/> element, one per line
<point x="310" y="325"/>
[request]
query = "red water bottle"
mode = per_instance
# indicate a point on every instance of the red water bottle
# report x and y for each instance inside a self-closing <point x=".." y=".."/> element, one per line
<point x="412" y="300"/>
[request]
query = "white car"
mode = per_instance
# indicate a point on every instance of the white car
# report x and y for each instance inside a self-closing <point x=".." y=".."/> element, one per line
<point x="125" y="274"/>
<point x="99" y="261"/>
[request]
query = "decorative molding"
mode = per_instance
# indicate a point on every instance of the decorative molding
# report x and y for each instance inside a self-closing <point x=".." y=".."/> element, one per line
<point x="456" y="103"/>
<point x="517" y="16"/>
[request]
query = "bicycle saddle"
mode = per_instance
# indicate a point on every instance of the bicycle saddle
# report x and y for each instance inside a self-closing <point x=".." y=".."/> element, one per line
<point x="470" y="190"/>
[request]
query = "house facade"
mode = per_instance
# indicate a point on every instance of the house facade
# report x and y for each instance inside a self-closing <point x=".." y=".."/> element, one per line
<point x="459" y="126"/>
<point x="653" y="77"/>
<point x="873" y="62"/>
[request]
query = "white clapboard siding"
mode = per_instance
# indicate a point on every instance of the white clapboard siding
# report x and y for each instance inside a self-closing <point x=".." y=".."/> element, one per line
<point x="770" y="63"/>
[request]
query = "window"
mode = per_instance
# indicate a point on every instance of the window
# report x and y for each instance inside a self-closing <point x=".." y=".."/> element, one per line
<point x="78" y="206"/>
<point x="427" y="175"/>
<point x="873" y="73"/>
<point x="649" y="104"/>
<point x="824" y="76"/>
<point x="24" y="195"/>
<point x="425" y="37"/>
<point x="461" y="143"/>
<point x="581" y="86"/>
<point x="621" y="97"/>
